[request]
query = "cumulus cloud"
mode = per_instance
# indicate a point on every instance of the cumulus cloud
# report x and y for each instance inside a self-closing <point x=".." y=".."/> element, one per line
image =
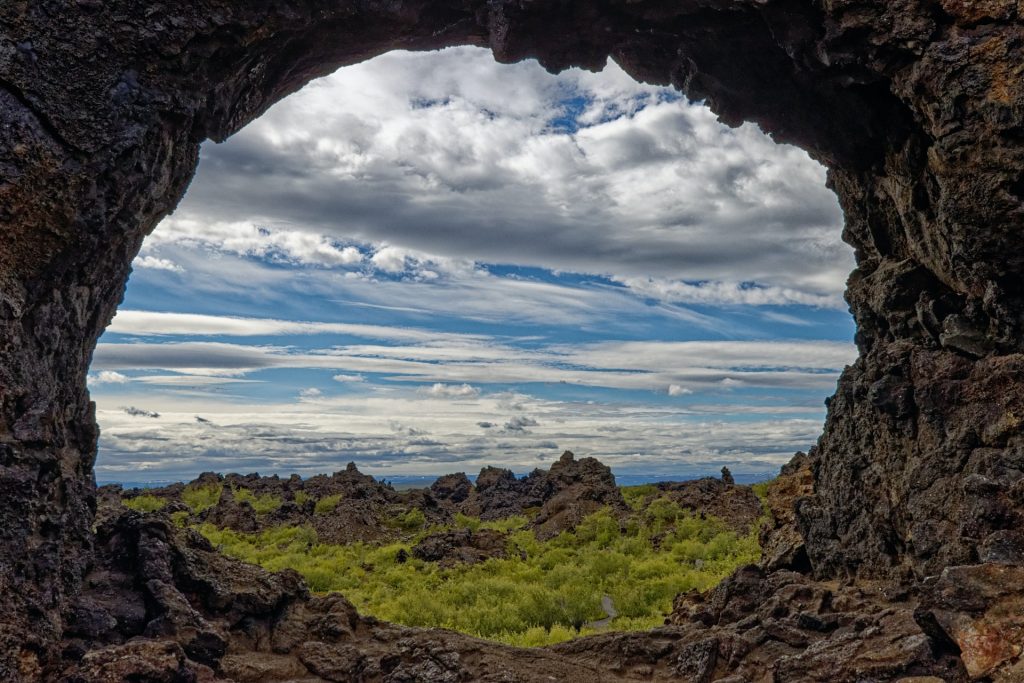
<point x="429" y="156"/>
<point x="108" y="377"/>
<point x="452" y="390"/>
<point x="676" y="390"/>
<point x="156" y="263"/>
<point x="350" y="379"/>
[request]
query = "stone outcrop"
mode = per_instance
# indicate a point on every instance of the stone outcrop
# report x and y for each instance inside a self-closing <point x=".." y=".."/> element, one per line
<point x="461" y="546"/>
<point x="160" y="604"/>
<point x="782" y="544"/>
<point x="914" y="105"/>
<point x="573" y="489"/>
<point x="738" y="506"/>
<point x="364" y="509"/>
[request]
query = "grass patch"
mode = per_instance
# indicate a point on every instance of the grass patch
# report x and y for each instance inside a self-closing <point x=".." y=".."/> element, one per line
<point x="327" y="504"/>
<point x="507" y="524"/>
<point x="543" y="593"/>
<point x="636" y="495"/>
<point x="761" y="488"/>
<point x="201" y="498"/>
<point x="263" y="504"/>
<point x="180" y="518"/>
<point x="412" y="520"/>
<point x="301" y="497"/>
<point x="145" y="503"/>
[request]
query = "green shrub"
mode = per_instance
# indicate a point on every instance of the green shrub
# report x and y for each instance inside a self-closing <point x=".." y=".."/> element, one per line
<point x="180" y="518"/>
<point x="411" y="520"/>
<point x="635" y="495"/>
<point x="541" y="593"/>
<point x="301" y="497"/>
<point x="466" y="522"/>
<point x="327" y="504"/>
<point x="200" y="498"/>
<point x="262" y="504"/>
<point x="145" y="503"/>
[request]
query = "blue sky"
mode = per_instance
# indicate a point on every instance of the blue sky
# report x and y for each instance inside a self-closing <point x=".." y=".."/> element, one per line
<point x="431" y="262"/>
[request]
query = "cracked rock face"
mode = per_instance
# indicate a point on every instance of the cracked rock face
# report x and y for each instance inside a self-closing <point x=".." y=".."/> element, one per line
<point x="914" y="105"/>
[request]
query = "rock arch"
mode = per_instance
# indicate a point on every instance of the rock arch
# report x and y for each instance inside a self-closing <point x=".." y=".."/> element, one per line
<point x="916" y="107"/>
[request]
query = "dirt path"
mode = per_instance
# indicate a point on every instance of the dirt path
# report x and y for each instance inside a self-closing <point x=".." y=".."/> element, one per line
<point x="609" y="608"/>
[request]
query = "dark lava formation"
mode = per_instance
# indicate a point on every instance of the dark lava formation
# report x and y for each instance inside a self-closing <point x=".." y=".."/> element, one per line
<point x="916" y="107"/>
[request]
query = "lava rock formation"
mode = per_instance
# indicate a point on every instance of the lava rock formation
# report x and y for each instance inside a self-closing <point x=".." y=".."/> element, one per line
<point x="915" y="106"/>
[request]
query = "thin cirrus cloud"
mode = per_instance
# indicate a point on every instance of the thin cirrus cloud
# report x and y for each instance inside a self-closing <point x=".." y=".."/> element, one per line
<point x="452" y="362"/>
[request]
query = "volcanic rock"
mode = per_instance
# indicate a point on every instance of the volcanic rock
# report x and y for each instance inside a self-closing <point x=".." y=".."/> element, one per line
<point x="737" y="506"/>
<point x="914" y="106"/>
<point x="461" y="546"/>
<point x="575" y="489"/>
<point x="782" y="544"/>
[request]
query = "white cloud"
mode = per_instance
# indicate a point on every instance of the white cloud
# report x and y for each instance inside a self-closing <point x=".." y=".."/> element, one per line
<point x="449" y="153"/>
<point x="152" y="323"/>
<point x="310" y="393"/>
<point x="389" y="259"/>
<point x="676" y="390"/>
<point x="437" y="436"/>
<point x="108" y="377"/>
<point x="618" y="365"/>
<point x="452" y="390"/>
<point x="349" y="378"/>
<point x="157" y="264"/>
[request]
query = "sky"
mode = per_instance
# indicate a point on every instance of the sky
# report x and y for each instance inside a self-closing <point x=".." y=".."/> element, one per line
<point x="430" y="262"/>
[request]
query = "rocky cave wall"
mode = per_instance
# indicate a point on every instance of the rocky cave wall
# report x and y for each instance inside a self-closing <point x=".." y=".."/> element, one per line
<point x="916" y="107"/>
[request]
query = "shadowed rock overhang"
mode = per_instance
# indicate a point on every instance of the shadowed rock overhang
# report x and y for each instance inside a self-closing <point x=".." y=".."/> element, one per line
<point x="915" y="106"/>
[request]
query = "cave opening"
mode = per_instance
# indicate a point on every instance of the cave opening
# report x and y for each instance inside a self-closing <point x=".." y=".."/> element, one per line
<point x="431" y="262"/>
<point x="914" y="108"/>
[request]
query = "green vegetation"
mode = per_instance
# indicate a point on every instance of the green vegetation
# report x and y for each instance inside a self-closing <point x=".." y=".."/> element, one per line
<point x="200" y="498"/>
<point x="301" y="497"/>
<point x="262" y="504"/>
<point x="412" y="520"/>
<point x="544" y="592"/>
<point x="635" y="495"/>
<point x="145" y="503"/>
<point x="180" y="519"/>
<point x="761" y="488"/>
<point x="513" y="523"/>
<point x="327" y="504"/>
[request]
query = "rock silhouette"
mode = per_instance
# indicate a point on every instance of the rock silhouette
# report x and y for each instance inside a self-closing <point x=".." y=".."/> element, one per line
<point x="915" y="106"/>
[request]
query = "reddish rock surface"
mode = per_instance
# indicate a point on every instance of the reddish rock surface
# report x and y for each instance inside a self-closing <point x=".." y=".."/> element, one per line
<point x="914" y="105"/>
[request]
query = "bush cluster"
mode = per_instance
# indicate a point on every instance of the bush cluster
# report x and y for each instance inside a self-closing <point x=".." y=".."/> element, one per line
<point x="541" y="593"/>
<point x="145" y="503"/>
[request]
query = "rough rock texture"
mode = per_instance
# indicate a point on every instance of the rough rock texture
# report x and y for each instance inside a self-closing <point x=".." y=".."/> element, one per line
<point x="364" y="509"/>
<point x="914" y="105"/>
<point x="738" y="506"/>
<point x="159" y="604"/>
<point x="461" y="546"/>
<point x="780" y="627"/>
<point x="572" y="490"/>
<point x="782" y="545"/>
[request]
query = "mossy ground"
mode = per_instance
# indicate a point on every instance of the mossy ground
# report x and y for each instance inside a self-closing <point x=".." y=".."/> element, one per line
<point x="542" y="593"/>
